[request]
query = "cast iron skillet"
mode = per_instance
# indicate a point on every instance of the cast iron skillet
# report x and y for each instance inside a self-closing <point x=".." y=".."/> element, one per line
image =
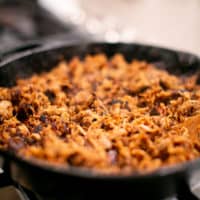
<point x="51" y="181"/>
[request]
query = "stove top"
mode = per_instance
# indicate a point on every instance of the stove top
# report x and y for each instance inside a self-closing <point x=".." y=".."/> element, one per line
<point x="22" y="21"/>
<point x="11" y="193"/>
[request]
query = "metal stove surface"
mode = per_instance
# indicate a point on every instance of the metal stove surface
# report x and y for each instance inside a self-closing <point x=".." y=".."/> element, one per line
<point x="11" y="193"/>
<point x="17" y="192"/>
<point x="22" y="21"/>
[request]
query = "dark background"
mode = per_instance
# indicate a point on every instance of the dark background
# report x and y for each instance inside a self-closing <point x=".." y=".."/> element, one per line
<point x="25" y="20"/>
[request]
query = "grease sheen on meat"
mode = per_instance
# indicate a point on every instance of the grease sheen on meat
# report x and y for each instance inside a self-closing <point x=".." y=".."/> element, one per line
<point x="101" y="113"/>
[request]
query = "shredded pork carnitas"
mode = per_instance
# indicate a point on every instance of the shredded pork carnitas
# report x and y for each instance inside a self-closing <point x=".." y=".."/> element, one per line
<point x="103" y="114"/>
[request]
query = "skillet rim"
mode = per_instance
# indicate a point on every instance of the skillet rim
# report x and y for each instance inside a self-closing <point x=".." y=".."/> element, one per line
<point x="80" y="171"/>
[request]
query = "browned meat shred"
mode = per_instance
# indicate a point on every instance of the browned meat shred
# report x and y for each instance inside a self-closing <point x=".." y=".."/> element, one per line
<point x="101" y="113"/>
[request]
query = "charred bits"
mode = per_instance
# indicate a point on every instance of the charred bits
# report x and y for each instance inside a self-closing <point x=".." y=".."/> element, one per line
<point x="154" y="112"/>
<point x="43" y="118"/>
<point x="75" y="160"/>
<point x="24" y="111"/>
<point x="163" y="85"/>
<point x="137" y="90"/>
<point x="123" y="104"/>
<point x="37" y="129"/>
<point x="51" y="95"/>
<point x="66" y="89"/>
<point x="126" y="106"/>
<point x="16" y="94"/>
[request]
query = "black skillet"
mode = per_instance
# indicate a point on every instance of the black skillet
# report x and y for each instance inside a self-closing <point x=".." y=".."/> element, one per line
<point x="72" y="182"/>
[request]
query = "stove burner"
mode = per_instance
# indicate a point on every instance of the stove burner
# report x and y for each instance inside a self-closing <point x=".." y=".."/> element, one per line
<point x="23" y="194"/>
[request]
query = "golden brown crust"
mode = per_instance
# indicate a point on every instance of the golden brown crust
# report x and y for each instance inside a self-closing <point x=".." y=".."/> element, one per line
<point x="105" y="114"/>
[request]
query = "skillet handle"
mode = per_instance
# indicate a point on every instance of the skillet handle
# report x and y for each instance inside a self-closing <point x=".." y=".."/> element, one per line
<point x="20" y="49"/>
